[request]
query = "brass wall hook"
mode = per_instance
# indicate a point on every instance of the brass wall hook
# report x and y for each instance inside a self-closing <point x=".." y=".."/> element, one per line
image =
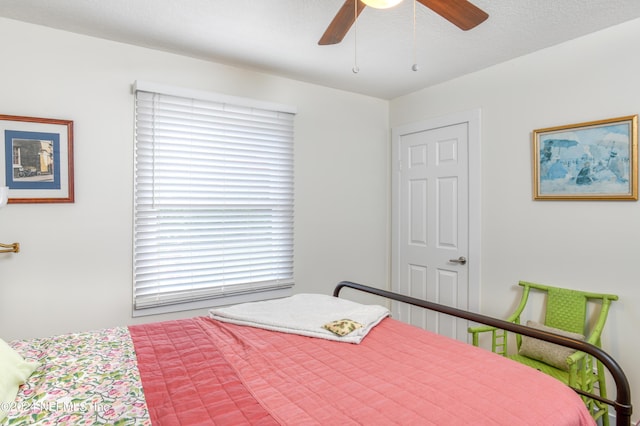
<point x="10" y="248"/>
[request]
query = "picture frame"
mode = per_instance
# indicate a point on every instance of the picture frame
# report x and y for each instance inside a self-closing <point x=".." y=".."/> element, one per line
<point x="36" y="159"/>
<point x="596" y="160"/>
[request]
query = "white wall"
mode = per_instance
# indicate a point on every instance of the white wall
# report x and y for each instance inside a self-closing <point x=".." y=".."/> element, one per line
<point x="74" y="269"/>
<point x="588" y="245"/>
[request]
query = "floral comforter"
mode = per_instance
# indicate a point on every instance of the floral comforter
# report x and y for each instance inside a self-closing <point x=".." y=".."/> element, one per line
<point x="83" y="379"/>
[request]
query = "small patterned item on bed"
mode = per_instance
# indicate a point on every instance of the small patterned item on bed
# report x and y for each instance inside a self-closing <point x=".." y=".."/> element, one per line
<point x="342" y="327"/>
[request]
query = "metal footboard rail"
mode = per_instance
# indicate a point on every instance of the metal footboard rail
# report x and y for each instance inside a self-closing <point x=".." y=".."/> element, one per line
<point x="622" y="404"/>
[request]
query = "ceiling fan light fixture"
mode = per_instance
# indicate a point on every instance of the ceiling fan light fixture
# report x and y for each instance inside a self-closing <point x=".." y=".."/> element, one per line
<point x="381" y="4"/>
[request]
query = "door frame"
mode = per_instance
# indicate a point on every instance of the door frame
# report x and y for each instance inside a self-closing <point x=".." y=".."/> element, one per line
<point x="473" y="120"/>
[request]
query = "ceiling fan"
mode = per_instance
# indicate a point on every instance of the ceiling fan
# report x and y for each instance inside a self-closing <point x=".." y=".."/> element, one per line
<point x="461" y="13"/>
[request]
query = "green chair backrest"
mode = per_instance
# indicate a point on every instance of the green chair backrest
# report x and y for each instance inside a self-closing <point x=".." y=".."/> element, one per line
<point x="566" y="309"/>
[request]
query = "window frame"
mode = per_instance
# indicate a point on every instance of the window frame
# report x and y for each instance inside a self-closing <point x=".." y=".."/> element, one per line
<point x="283" y="289"/>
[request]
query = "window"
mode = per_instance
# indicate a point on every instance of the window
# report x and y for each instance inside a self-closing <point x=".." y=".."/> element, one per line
<point x="213" y="199"/>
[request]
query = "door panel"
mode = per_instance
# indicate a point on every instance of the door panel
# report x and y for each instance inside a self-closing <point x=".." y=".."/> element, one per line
<point x="430" y="207"/>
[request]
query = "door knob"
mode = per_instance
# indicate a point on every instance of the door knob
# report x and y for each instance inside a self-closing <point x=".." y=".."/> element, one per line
<point x="461" y="260"/>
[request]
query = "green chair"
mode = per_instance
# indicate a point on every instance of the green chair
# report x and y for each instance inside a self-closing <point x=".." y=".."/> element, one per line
<point x="565" y="314"/>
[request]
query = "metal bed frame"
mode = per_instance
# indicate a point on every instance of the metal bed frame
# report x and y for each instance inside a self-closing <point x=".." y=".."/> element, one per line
<point x="622" y="404"/>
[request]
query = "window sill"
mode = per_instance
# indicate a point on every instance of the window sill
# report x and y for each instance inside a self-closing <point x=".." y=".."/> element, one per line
<point x="212" y="303"/>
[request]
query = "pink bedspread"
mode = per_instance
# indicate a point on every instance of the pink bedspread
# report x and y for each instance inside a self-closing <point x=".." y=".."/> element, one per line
<point x="186" y="380"/>
<point x="399" y="374"/>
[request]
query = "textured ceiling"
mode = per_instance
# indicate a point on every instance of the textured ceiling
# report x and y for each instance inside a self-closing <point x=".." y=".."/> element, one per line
<point x="280" y="36"/>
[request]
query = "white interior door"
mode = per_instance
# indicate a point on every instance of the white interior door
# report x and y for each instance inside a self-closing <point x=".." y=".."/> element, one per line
<point x="432" y="252"/>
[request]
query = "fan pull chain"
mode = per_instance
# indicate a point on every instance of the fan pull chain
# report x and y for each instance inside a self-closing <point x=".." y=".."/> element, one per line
<point x="356" y="68"/>
<point x="415" y="66"/>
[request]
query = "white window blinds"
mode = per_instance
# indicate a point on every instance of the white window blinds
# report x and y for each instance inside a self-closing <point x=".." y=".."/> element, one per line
<point x="213" y="208"/>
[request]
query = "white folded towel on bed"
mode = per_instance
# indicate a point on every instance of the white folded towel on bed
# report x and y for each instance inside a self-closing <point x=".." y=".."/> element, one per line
<point x="304" y="314"/>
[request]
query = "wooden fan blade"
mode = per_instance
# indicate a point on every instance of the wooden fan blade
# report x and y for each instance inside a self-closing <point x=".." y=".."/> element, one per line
<point x="342" y="22"/>
<point x="460" y="13"/>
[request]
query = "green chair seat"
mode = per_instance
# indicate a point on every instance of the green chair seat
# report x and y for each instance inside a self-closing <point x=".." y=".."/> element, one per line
<point x="561" y="375"/>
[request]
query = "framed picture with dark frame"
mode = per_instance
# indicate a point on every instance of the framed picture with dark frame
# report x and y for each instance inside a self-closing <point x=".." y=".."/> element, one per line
<point x="37" y="159"/>
<point x="596" y="160"/>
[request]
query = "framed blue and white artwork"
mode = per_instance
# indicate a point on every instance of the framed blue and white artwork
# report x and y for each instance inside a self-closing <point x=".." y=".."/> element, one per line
<point x="37" y="157"/>
<point x="596" y="160"/>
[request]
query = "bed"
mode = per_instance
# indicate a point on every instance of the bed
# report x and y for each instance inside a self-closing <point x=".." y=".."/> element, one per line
<point x="218" y="370"/>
